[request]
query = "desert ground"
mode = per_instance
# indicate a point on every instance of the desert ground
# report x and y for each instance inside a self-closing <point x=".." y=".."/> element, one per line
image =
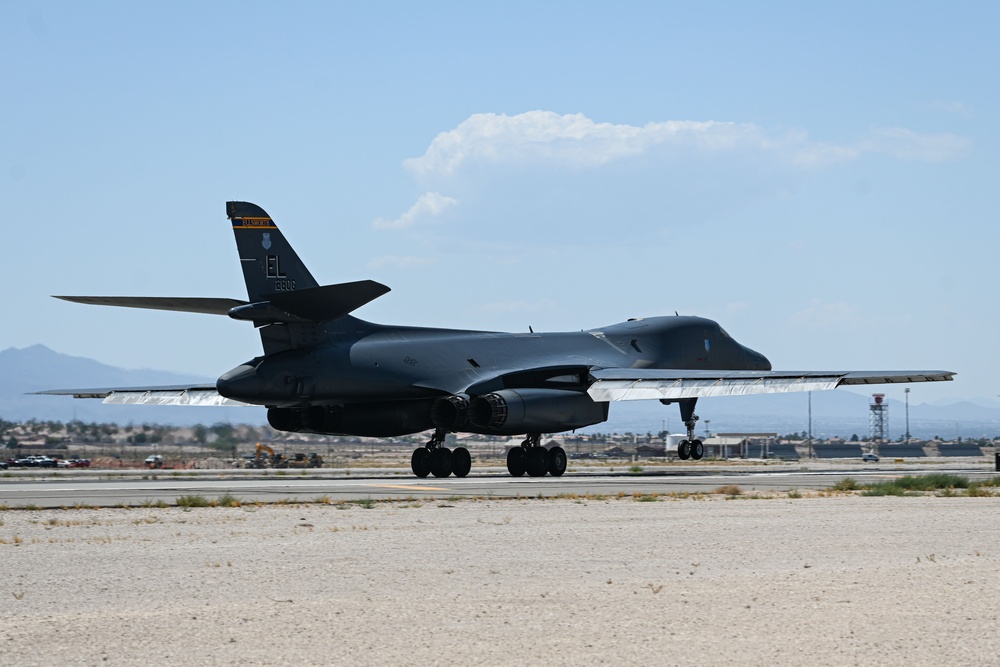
<point x="708" y="580"/>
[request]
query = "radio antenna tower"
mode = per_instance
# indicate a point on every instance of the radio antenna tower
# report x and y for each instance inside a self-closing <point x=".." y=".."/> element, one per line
<point x="878" y="419"/>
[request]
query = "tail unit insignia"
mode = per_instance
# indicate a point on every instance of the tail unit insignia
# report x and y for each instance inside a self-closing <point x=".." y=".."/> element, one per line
<point x="269" y="263"/>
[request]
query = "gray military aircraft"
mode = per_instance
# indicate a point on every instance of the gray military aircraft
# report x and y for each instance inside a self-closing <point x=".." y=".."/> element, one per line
<point x="325" y="371"/>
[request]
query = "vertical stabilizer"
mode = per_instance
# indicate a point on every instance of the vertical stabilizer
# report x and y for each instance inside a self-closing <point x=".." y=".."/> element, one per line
<point x="269" y="263"/>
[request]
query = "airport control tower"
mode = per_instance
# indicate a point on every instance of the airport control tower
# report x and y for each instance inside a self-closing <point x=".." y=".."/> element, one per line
<point x="878" y="419"/>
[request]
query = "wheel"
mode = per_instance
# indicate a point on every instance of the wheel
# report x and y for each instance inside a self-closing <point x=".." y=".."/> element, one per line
<point x="697" y="449"/>
<point x="557" y="461"/>
<point x="441" y="462"/>
<point x="420" y="462"/>
<point x="684" y="450"/>
<point x="516" y="461"/>
<point x="461" y="462"/>
<point x="538" y="461"/>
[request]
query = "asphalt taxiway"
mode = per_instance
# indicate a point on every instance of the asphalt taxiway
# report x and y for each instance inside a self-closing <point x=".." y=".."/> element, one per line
<point x="109" y="488"/>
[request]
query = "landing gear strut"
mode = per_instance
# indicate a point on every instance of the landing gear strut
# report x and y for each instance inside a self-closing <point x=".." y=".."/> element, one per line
<point x="691" y="447"/>
<point x="436" y="459"/>
<point x="534" y="459"/>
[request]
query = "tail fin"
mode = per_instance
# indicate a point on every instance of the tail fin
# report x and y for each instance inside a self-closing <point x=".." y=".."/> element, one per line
<point x="269" y="263"/>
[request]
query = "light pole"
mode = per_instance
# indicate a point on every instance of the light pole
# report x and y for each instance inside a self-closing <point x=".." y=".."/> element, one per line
<point x="812" y="454"/>
<point x="906" y="392"/>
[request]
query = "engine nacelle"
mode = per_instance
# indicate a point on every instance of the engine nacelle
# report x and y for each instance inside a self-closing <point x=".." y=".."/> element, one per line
<point x="285" y="419"/>
<point x="516" y="411"/>
<point x="382" y="419"/>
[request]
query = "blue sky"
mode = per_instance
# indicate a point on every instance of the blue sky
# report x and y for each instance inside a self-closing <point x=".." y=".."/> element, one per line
<point x="822" y="181"/>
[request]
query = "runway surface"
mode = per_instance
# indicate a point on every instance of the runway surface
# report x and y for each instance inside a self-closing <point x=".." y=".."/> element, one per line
<point x="110" y="488"/>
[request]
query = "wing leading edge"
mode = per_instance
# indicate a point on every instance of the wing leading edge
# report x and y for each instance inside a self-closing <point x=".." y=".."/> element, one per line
<point x="629" y="384"/>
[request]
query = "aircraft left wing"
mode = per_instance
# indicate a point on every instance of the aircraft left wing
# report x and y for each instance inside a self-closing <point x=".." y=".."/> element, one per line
<point x="208" y="306"/>
<point x="631" y="384"/>
<point x="198" y="395"/>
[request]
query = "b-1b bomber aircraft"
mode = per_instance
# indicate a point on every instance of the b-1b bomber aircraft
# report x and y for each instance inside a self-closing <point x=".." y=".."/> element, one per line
<point x="326" y="371"/>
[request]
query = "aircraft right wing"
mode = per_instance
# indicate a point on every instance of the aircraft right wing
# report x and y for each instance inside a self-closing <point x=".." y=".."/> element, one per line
<point x="632" y="384"/>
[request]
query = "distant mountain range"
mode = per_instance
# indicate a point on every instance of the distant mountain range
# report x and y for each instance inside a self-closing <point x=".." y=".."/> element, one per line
<point x="37" y="368"/>
<point x="839" y="412"/>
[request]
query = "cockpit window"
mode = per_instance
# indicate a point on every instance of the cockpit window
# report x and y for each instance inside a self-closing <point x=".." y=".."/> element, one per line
<point x="724" y="333"/>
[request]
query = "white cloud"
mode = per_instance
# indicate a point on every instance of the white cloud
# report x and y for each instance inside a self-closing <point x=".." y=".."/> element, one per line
<point x="575" y="140"/>
<point x="399" y="262"/>
<point x="957" y="108"/>
<point x="908" y="145"/>
<point x="429" y="204"/>
<point x="571" y="139"/>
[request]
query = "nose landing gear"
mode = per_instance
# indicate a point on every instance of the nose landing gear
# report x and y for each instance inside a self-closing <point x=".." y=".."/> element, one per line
<point x="691" y="448"/>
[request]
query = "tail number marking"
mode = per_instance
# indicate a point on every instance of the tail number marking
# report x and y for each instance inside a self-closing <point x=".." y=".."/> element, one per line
<point x="281" y="282"/>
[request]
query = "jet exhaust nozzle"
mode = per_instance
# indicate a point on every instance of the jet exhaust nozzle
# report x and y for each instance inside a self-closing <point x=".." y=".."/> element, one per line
<point x="450" y="413"/>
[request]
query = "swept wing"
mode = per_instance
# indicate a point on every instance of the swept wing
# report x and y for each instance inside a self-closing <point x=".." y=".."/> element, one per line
<point x="195" y="395"/>
<point x="630" y="384"/>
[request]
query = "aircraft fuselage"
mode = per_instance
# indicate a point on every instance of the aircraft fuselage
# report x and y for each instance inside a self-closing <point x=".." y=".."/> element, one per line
<point x="366" y="362"/>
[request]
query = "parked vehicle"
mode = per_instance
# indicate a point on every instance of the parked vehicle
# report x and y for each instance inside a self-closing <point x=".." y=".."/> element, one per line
<point x="869" y="457"/>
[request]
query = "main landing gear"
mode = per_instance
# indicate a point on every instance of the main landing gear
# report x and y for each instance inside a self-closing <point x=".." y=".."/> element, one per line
<point x="691" y="448"/>
<point x="531" y="458"/>
<point x="535" y="460"/>
<point x="436" y="459"/>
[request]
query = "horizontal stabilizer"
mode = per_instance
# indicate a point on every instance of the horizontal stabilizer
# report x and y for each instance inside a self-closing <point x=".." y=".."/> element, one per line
<point x="313" y="304"/>
<point x="201" y="395"/>
<point x="321" y="304"/>
<point x="208" y="306"/>
<point x="628" y="384"/>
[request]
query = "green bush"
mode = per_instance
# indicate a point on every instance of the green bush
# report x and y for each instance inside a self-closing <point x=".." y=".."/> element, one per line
<point x="846" y="484"/>
<point x="884" y="489"/>
<point x="932" y="482"/>
<point x="193" y="501"/>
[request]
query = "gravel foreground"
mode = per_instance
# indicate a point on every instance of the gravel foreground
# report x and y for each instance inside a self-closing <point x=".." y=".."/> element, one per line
<point x="807" y="581"/>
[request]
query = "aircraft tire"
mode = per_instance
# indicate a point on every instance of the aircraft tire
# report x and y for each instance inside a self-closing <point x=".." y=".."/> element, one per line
<point x="697" y="449"/>
<point x="537" y="461"/>
<point x="420" y="462"/>
<point x="516" y="463"/>
<point x="461" y="462"/>
<point x="557" y="461"/>
<point x="441" y="462"/>
<point x="684" y="450"/>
